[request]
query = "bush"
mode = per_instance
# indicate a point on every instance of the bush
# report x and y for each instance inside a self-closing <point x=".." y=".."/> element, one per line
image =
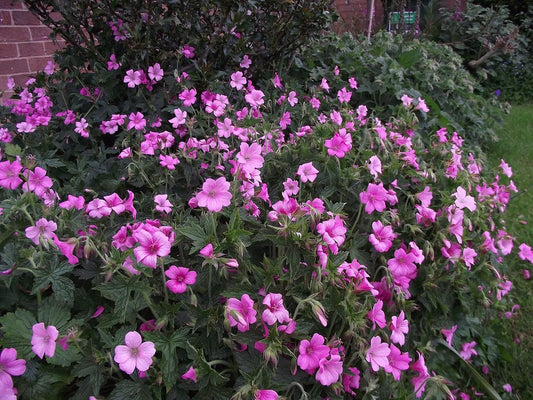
<point x="389" y="66"/>
<point x="247" y="240"/>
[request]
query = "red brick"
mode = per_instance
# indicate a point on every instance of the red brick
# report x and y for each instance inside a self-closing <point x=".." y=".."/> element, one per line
<point x="5" y="18"/>
<point x="30" y="49"/>
<point x="8" y="50"/>
<point x="24" y="18"/>
<point x="14" y="66"/>
<point x="38" y="63"/>
<point x="12" y="5"/>
<point x="14" y="34"/>
<point x="39" y="33"/>
<point x="51" y="47"/>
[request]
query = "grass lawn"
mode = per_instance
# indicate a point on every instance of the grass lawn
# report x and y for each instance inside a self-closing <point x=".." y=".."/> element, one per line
<point x="516" y="148"/>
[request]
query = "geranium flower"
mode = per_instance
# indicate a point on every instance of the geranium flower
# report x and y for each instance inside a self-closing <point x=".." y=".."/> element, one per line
<point x="42" y="229"/>
<point x="399" y="326"/>
<point x="263" y="394"/>
<point x="448" y="334"/>
<point x="214" y="194"/>
<point x="151" y="245"/>
<point x="241" y="313"/>
<point x="376" y="315"/>
<point x="275" y="310"/>
<point x="467" y="350"/>
<point x="43" y="340"/>
<point x="134" y="354"/>
<point x="10" y="366"/>
<point x="419" y="382"/>
<point x="398" y="362"/>
<point x="374" y="198"/>
<point x="329" y="369"/>
<point x="9" y="174"/>
<point x="377" y="354"/>
<point x="179" y="278"/>
<point x="307" y="172"/>
<point x="190" y="375"/>
<point x="162" y="204"/>
<point x="311" y="352"/>
<point x="382" y="237"/>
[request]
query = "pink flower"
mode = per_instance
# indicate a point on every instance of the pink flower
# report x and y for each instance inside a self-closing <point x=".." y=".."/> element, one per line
<point x="135" y="354"/>
<point x="207" y="251"/>
<point x="275" y="310"/>
<point x="398" y="362"/>
<point x="9" y="174"/>
<point x="374" y="198"/>
<point x="311" y="352"/>
<point x="10" y="366"/>
<point x="339" y="144"/>
<point x="263" y="394"/>
<point x="188" y="96"/>
<point x="155" y="73"/>
<point x="406" y="100"/>
<point x="42" y="229"/>
<point x="255" y="98"/>
<point x="374" y="165"/>
<point x="245" y="62"/>
<point x="241" y="313"/>
<point x="190" y="375"/>
<point x="378" y="353"/>
<point x="43" y="340"/>
<point x="419" y="382"/>
<point x="508" y="388"/>
<point x="132" y="78"/>
<point x="37" y="181"/>
<point x="329" y="369"/>
<point x="180" y="118"/>
<point x="307" y="172"/>
<point x="344" y="95"/>
<point x="249" y="157"/>
<point x="448" y="334"/>
<point x="238" y="80"/>
<point x="507" y="170"/>
<point x="351" y="381"/>
<point x="382" y="237"/>
<point x="467" y="350"/>
<point x="136" y="121"/>
<point x="525" y="253"/>
<point x="187" y="51"/>
<point x="215" y="194"/>
<point x="77" y="202"/>
<point x="333" y="233"/>
<point x="179" y="278"/>
<point x="425" y="197"/>
<point x="67" y="249"/>
<point x="376" y="315"/>
<point x="402" y="266"/>
<point x="291" y="187"/>
<point x="464" y="201"/>
<point x="399" y="326"/>
<point x="162" y="204"/>
<point x="422" y="105"/>
<point x="151" y="245"/>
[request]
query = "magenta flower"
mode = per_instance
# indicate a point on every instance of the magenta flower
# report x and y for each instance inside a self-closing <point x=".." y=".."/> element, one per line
<point x="374" y="198"/>
<point x="135" y="354"/>
<point x="162" y="204"/>
<point x="10" y="366"/>
<point x="249" y="157"/>
<point x="344" y="95"/>
<point x="467" y="350"/>
<point x="179" y="278"/>
<point x="448" y="334"/>
<point x="402" y="266"/>
<point x="307" y="172"/>
<point x="377" y="316"/>
<point x="398" y="362"/>
<point x="275" y="310"/>
<point x="406" y="100"/>
<point x="263" y="394"/>
<point x="422" y="105"/>
<point x="382" y="237"/>
<point x="399" y="326"/>
<point x="241" y="313"/>
<point x="311" y="352"/>
<point x="419" y="382"/>
<point x="333" y="233"/>
<point x="214" y="194"/>
<point x="190" y="375"/>
<point x="67" y="249"/>
<point x="255" y="98"/>
<point x="464" y="201"/>
<point x="329" y="369"/>
<point x="378" y="353"/>
<point x="42" y="229"/>
<point x="43" y="340"/>
<point x="238" y="80"/>
<point x="351" y="381"/>
<point x="37" y="181"/>
<point x="151" y="245"/>
<point x="339" y="144"/>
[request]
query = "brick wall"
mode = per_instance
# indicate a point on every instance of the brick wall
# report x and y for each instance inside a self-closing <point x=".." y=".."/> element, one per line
<point x="25" y="46"/>
<point x="353" y="15"/>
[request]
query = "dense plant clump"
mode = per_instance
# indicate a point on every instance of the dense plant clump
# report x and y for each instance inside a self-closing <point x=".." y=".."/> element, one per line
<point x="388" y="67"/>
<point x="246" y="240"/>
<point x="494" y="44"/>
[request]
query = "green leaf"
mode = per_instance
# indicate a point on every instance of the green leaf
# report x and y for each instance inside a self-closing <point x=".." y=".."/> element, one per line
<point x="62" y="286"/>
<point x="129" y="390"/>
<point x="409" y="58"/>
<point x="13" y="150"/>
<point x="17" y="333"/>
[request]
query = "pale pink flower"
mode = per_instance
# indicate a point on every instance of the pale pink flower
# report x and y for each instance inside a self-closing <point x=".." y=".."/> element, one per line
<point x="307" y="172"/>
<point x="374" y="166"/>
<point x="155" y="72"/>
<point x="507" y="170"/>
<point x="399" y="326"/>
<point x="43" y="340"/>
<point x="422" y="105"/>
<point x="291" y="187"/>
<point x="190" y="375"/>
<point x="265" y="394"/>
<point x="151" y="245"/>
<point x="344" y="95"/>
<point x="249" y="157"/>
<point x="238" y="80"/>
<point x="9" y="174"/>
<point x="292" y="99"/>
<point x="241" y="313"/>
<point x="255" y="98"/>
<point x="448" y="334"/>
<point x="42" y="229"/>
<point x="134" y="354"/>
<point x="214" y="194"/>
<point x="467" y="350"/>
<point x="311" y="352"/>
<point x="275" y="311"/>
<point x="329" y="369"/>
<point x="180" y="117"/>
<point x="179" y="278"/>
<point x="133" y="78"/>
<point x="10" y="366"/>
<point x="162" y="204"/>
<point x="398" y="362"/>
<point x="378" y="353"/>
<point x="463" y="200"/>
<point x="468" y="256"/>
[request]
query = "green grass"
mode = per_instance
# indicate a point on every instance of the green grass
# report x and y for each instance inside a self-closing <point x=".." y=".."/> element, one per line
<point x="516" y="148"/>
